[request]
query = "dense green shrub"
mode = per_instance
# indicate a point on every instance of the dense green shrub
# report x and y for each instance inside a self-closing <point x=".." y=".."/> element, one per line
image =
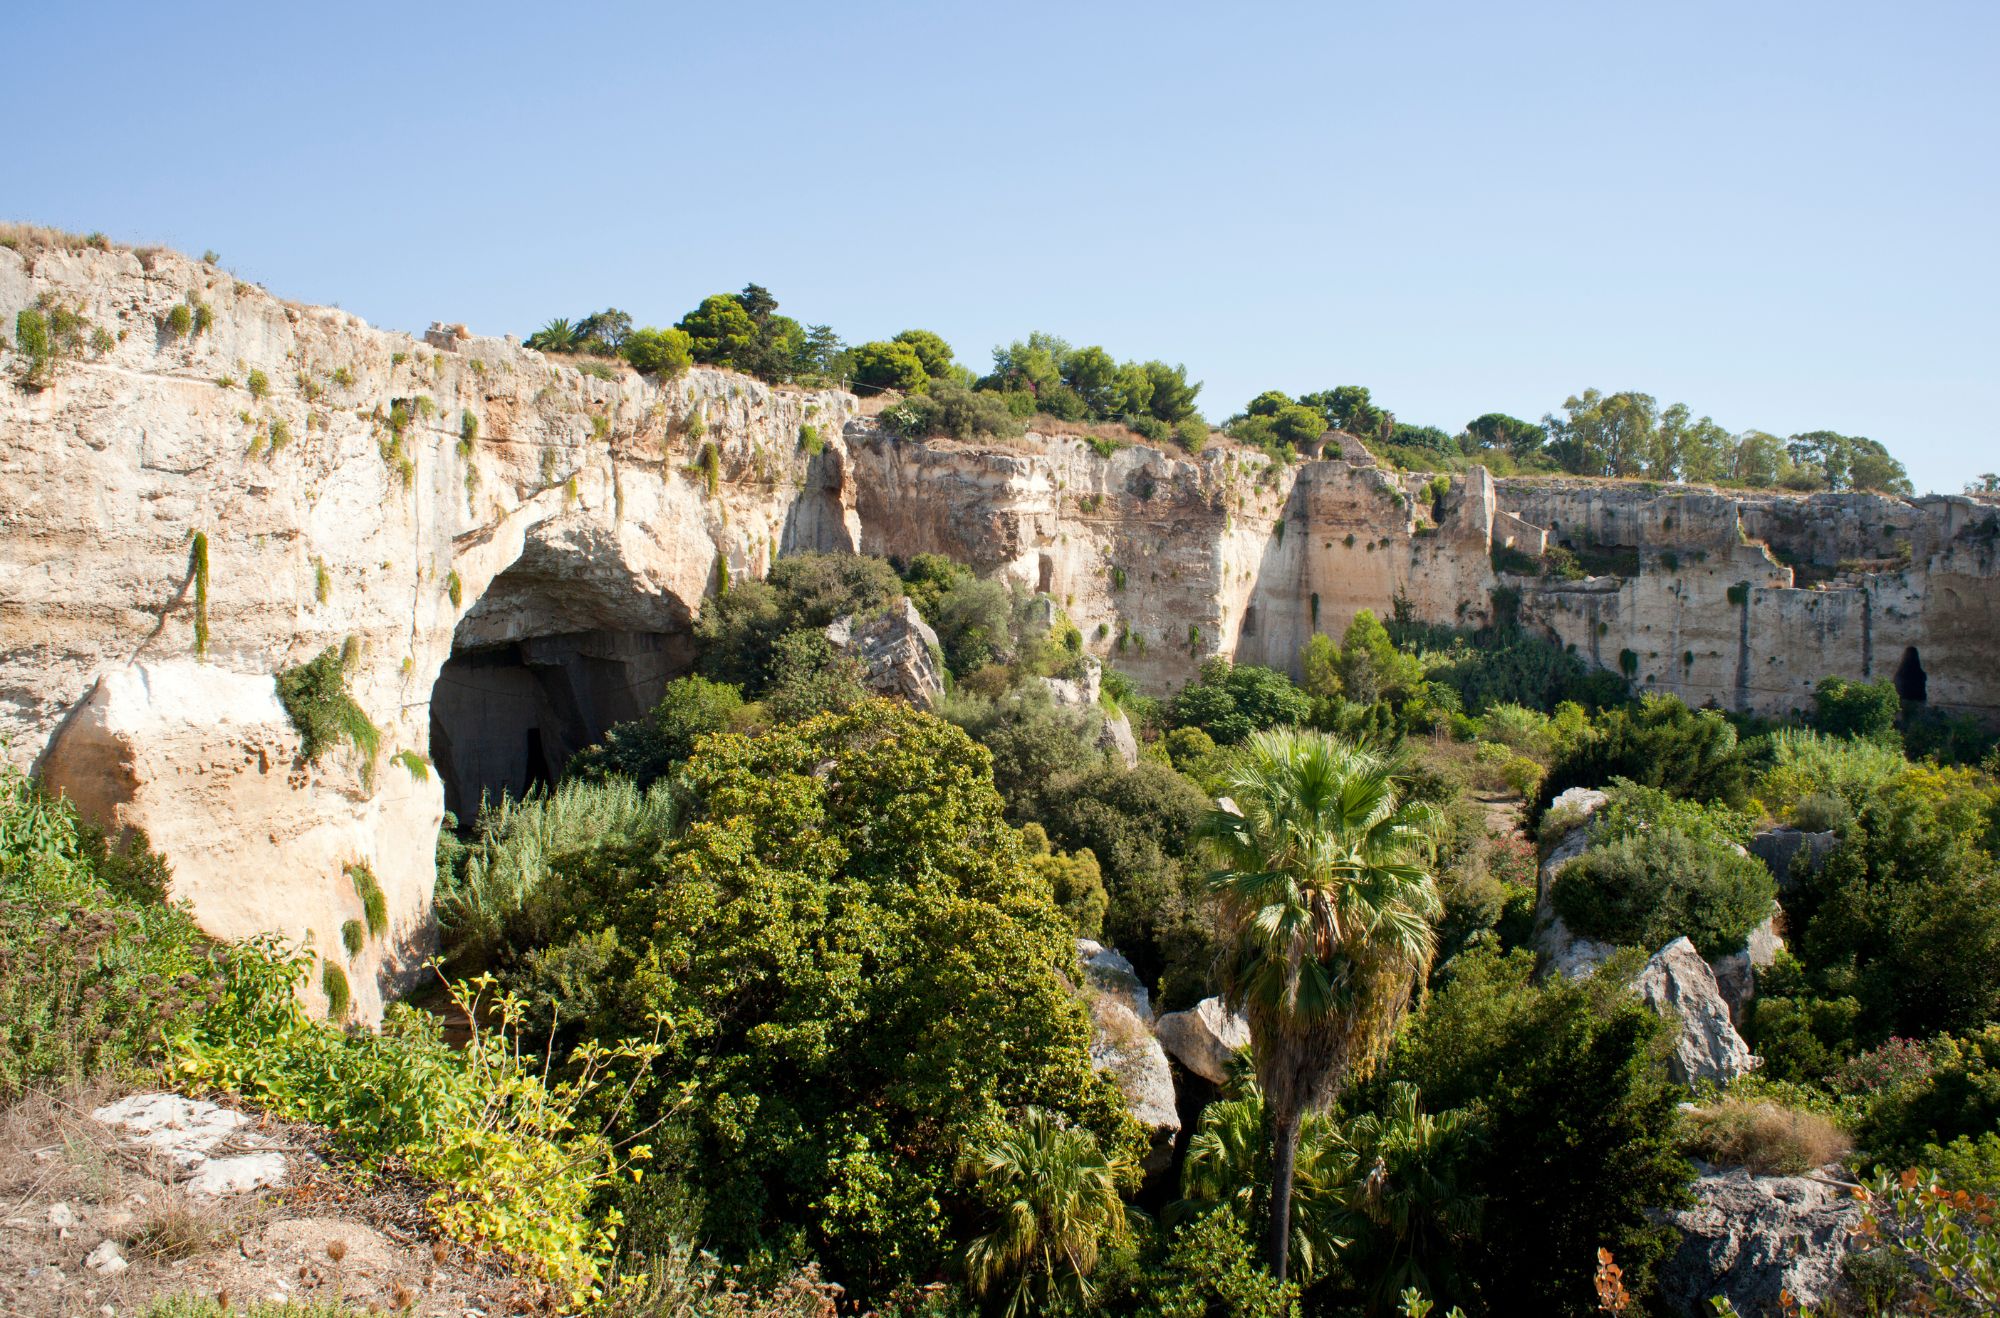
<point x="1231" y="701"/>
<point x="645" y="749"/>
<point x="881" y="366"/>
<point x="1856" y="709"/>
<point x="861" y="971"/>
<point x="1660" y="743"/>
<point x="662" y="352"/>
<point x="953" y="411"/>
<point x="96" y="968"/>
<point x="809" y="679"/>
<point x="1660" y="868"/>
<point x="315" y="697"/>
<point x="739" y="631"/>
<point x="1579" y="1150"/>
<point x="1076" y="884"/>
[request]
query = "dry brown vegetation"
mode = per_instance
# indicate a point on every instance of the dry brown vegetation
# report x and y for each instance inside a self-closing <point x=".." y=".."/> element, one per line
<point x="1765" y="1138"/>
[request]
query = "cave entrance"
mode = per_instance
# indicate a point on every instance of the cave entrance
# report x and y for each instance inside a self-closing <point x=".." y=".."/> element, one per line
<point x="549" y="657"/>
<point x="1912" y="684"/>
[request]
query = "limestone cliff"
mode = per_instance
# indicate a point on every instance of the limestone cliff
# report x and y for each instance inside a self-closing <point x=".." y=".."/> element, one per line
<point x="512" y="547"/>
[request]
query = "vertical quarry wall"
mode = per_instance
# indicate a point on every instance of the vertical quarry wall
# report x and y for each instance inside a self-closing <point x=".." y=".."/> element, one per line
<point x="510" y="551"/>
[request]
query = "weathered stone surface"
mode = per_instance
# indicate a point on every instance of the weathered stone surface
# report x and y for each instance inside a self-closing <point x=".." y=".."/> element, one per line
<point x="1779" y="847"/>
<point x="1564" y="952"/>
<point x="898" y="653"/>
<point x="1678" y="984"/>
<point x="1205" y="1039"/>
<point x="1736" y="973"/>
<point x="186" y="1133"/>
<point x="1109" y="972"/>
<point x="106" y="1260"/>
<point x="1115" y="738"/>
<point x="1752" y="1238"/>
<point x="205" y="762"/>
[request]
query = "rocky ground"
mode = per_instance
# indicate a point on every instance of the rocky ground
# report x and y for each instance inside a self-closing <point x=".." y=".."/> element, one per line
<point x="97" y="1220"/>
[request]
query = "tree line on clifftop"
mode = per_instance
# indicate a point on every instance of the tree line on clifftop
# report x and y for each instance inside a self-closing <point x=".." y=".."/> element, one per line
<point x="1625" y="433"/>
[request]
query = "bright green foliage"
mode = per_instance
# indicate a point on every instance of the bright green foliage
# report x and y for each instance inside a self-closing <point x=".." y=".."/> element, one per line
<point x="315" y="697"/>
<point x="1856" y="709"/>
<point x="468" y="433"/>
<point x="1904" y="915"/>
<point x="454" y="588"/>
<point x="47" y="335"/>
<point x="932" y="351"/>
<point x="1805" y="764"/>
<point x="1952" y="1094"/>
<point x="720" y="331"/>
<point x="1231" y="701"/>
<point x="1210" y="1269"/>
<point x="1056" y="1195"/>
<point x="518" y="844"/>
<point x="1579" y="1150"/>
<point x="1324" y="888"/>
<point x="95" y="967"/>
<point x="1371" y="667"/>
<point x="882" y="366"/>
<point x="374" y="904"/>
<point x="809" y="679"/>
<point x="1661" y="743"/>
<point x="353" y="937"/>
<point x="661" y="352"/>
<point x="1659" y="868"/>
<point x="258" y="383"/>
<point x="858" y="970"/>
<point x="1078" y="384"/>
<point x="1076" y="884"/>
<point x="1228" y="1167"/>
<point x="414" y="764"/>
<point x="180" y="321"/>
<point x="333" y="983"/>
<point x="646" y="749"/>
<point x="811" y="442"/>
<point x="1941" y="1241"/>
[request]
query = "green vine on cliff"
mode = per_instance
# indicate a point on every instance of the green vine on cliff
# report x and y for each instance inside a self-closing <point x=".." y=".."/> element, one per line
<point x="198" y="564"/>
<point x="316" y="700"/>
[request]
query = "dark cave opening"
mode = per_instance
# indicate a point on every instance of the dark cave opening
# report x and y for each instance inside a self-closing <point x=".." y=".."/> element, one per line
<point x="1912" y="683"/>
<point x="507" y="717"/>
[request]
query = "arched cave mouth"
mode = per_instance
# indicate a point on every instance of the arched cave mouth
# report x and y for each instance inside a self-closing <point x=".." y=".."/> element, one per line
<point x="1912" y="684"/>
<point x="531" y="681"/>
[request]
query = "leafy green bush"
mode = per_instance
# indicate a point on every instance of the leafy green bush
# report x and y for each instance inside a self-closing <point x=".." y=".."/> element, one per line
<point x="739" y="631"/>
<point x="315" y="697"/>
<point x="46" y="336"/>
<point x="1660" y="743"/>
<point x="1076" y="884"/>
<point x="953" y="411"/>
<point x="333" y="983"/>
<point x="861" y="971"/>
<point x="374" y="905"/>
<point x="1580" y="1124"/>
<point x="1231" y="701"/>
<point x="96" y="969"/>
<point x="1659" y="868"/>
<point x="662" y="352"/>
<point x="881" y="366"/>
<point x="1856" y="709"/>
<point x="645" y="750"/>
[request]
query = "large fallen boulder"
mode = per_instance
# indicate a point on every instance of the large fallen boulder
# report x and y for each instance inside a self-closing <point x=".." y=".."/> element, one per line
<point x="897" y="650"/>
<point x="1678" y="984"/>
<point x="1757" y="1238"/>
<point x="1122" y="1041"/>
<point x="1206" y="1038"/>
<point x="205" y="762"/>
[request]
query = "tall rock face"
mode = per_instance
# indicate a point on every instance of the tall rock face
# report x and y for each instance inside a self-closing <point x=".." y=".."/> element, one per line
<point x="512" y="548"/>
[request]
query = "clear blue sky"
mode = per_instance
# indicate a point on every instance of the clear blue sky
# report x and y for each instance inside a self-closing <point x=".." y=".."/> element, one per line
<point x="1781" y="214"/>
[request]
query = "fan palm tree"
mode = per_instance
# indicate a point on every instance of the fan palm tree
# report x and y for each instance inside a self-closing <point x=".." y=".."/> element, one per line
<point x="1229" y="1164"/>
<point x="1058" y="1201"/>
<point x="1324" y="882"/>
<point x="1404" y="1201"/>
<point x="556" y="336"/>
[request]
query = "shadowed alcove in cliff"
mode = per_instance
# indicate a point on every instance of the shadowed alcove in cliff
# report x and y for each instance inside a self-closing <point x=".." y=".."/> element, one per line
<point x="1912" y="684"/>
<point x="541" y="665"/>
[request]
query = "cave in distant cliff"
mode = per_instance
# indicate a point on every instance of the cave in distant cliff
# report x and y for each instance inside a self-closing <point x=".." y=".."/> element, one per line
<point x="1911" y="682"/>
<point x="540" y="666"/>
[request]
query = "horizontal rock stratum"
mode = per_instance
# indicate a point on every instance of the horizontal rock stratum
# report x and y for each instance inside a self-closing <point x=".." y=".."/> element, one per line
<point x="512" y="548"/>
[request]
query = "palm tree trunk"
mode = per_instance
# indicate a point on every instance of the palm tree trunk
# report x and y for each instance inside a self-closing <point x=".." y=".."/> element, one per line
<point x="1284" y="1151"/>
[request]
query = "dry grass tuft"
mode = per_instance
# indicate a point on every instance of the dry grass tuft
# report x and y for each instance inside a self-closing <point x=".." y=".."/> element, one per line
<point x="1765" y="1138"/>
<point x="175" y="1229"/>
<point x="40" y="237"/>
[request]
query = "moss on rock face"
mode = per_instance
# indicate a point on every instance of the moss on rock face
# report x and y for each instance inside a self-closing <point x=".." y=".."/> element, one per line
<point x="315" y="697"/>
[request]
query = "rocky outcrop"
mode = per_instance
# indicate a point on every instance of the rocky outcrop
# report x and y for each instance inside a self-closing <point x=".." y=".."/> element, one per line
<point x="205" y="1142"/>
<point x="206" y="763"/>
<point x="1205" y="1038"/>
<point x="1736" y="973"/>
<point x="1122" y="1041"/>
<point x="1082" y="693"/>
<point x="1779" y="849"/>
<point x="1678" y="984"/>
<point x="513" y="548"/>
<point x="1757" y="1238"/>
<point x="898" y="653"/>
